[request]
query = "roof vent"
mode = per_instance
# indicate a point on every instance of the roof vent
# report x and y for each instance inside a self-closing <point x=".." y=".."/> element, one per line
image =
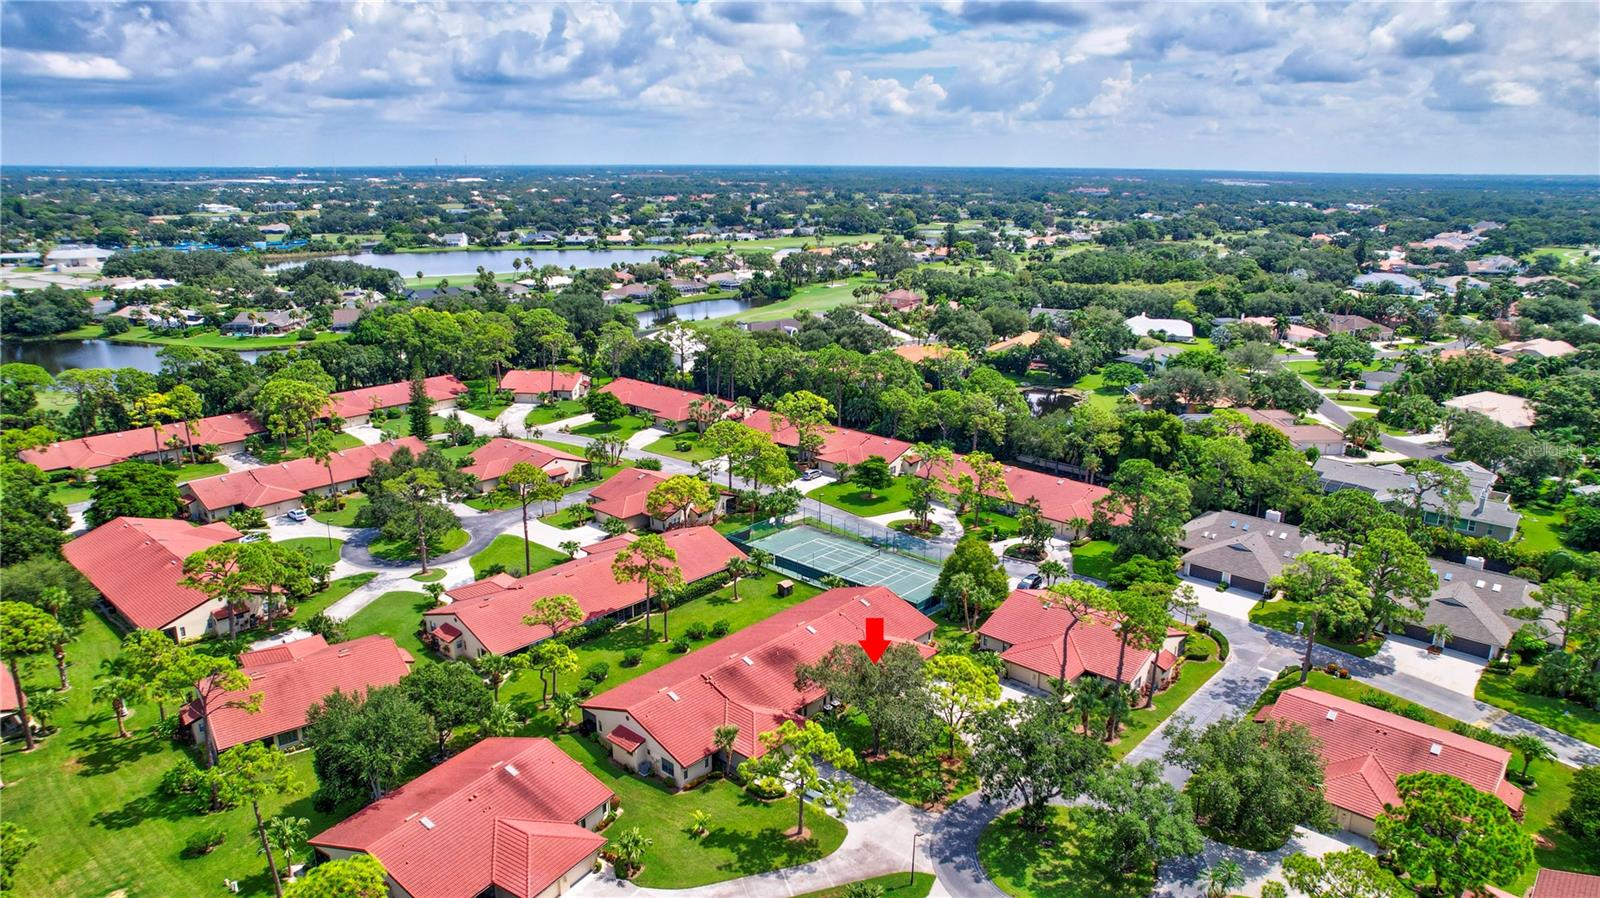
<point x="864" y="602"/>
<point x="672" y="695"/>
<point x="1478" y="584"/>
<point x="1233" y="525"/>
<point x="512" y="769"/>
<point x="426" y="823"/>
<point x="747" y="661"/>
<point x="1449" y="575"/>
<point x="1283" y="534"/>
<point x="1494" y="587"/>
<point x="1333" y="714"/>
<point x="1247" y="528"/>
<point x="1435" y="748"/>
<point x="810" y="629"/>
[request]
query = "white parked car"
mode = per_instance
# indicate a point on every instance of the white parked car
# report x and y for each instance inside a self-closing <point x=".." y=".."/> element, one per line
<point x="297" y="515"/>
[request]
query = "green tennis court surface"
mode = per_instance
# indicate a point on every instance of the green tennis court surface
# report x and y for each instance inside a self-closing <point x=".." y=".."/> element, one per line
<point x="805" y="547"/>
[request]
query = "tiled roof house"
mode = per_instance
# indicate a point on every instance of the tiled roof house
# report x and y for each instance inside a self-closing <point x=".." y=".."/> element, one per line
<point x="1027" y="631"/>
<point x="136" y="564"/>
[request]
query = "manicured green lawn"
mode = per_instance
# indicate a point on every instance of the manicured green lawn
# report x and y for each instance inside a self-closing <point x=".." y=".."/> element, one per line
<point x="93" y="803"/>
<point x="1282" y="615"/>
<point x="432" y="576"/>
<point x="992" y="521"/>
<point x="1029" y="864"/>
<point x="894" y="885"/>
<point x="1094" y="559"/>
<point x="569" y="517"/>
<point x="273" y="452"/>
<point x="559" y="410"/>
<point x="852" y="497"/>
<point x="506" y="550"/>
<point x="816" y="297"/>
<point x="1143" y="721"/>
<point x="483" y="401"/>
<point x="622" y="428"/>
<point x="746" y="837"/>
<point x="1541" y="525"/>
<point x="905" y="776"/>
<point x="344" y="517"/>
<point x="668" y="445"/>
<point x="315" y="546"/>
<point x="68" y="493"/>
<point x="407" y="551"/>
<point x="394" y="614"/>
<point x="1558" y="714"/>
<point x="209" y="339"/>
<point x="336" y="590"/>
<point x="1099" y="393"/>
<point x="401" y="426"/>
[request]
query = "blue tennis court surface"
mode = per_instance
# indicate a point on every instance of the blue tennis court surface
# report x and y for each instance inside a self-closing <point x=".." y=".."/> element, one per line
<point x="859" y="563"/>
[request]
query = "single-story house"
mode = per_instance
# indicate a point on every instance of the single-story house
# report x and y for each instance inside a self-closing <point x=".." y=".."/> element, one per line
<point x="280" y="488"/>
<point x="285" y="681"/>
<point x="1561" y="884"/>
<point x="1477" y="606"/>
<point x="1458" y="282"/>
<point x="625" y="495"/>
<point x="689" y="286"/>
<point x="137" y="563"/>
<point x="1152" y="358"/>
<point x="508" y="817"/>
<point x="628" y="293"/>
<point x="276" y="321"/>
<point x="357" y="406"/>
<point x="903" y="300"/>
<point x="1496" y="264"/>
<point x="342" y="321"/>
<point x="661" y="724"/>
<point x="1403" y="283"/>
<point x="1296" y="333"/>
<point x="667" y="407"/>
<point x="786" y="325"/>
<point x="75" y="256"/>
<point x="528" y="386"/>
<point x="486" y="616"/>
<point x="1487" y="513"/>
<point x="226" y="432"/>
<point x="493" y="459"/>
<point x="1062" y="501"/>
<point x="921" y="352"/>
<point x="1321" y="437"/>
<point x="1172" y="328"/>
<point x="1028" y="632"/>
<point x="454" y="239"/>
<point x="1511" y="411"/>
<point x="1376" y="380"/>
<point x="1026" y="338"/>
<point x="1365" y="750"/>
<point x="840" y="445"/>
<point x="1539" y="349"/>
<point x="1357" y="324"/>
<point x="1243" y="551"/>
<point x="10" y="705"/>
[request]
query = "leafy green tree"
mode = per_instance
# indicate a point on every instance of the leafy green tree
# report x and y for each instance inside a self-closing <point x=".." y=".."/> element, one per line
<point x="1028" y="754"/>
<point x="1567" y="599"/>
<point x="25" y="631"/>
<point x="959" y="689"/>
<point x="419" y="408"/>
<point x="972" y="557"/>
<point x="681" y="492"/>
<point x="1142" y="621"/>
<point x="68" y="610"/>
<point x="792" y="756"/>
<point x="253" y="772"/>
<point x="423" y="494"/>
<point x="1351" y="873"/>
<point x="650" y="561"/>
<point x="1343" y="518"/>
<point x="1396" y="571"/>
<point x="15" y="842"/>
<point x="605" y="407"/>
<point x="1450" y="838"/>
<point x="31" y="522"/>
<point x="1254" y="783"/>
<point x="362" y="743"/>
<point x="499" y="670"/>
<point x="451" y="694"/>
<point x="892" y="694"/>
<point x="522" y="483"/>
<point x="1136" y="819"/>
<point x="1331" y="592"/>
<point x="552" y="658"/>
<point x="288" y="406"/>
<point x="873" y="474"/>
<point x="809" y="415"/>
<point x="1145" y="510"/>
<point x="132" y="489"/>
<point x="1581" y="817"/>
<point x="358" y="876"/>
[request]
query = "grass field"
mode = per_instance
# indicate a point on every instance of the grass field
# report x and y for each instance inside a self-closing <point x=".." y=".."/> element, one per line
<point x="1282" y="615"/>
<point x="336" y="590"/>
<point x="506" y="550"/>
<point x="1558" y="714"/>
<point x="668" y="445"/>
<point x="1094" y="559"/>
<point x="1541" y="526"/>
<point x="315" y="546"/>
<point x="68" y="493"/>
<point x="1099" y="393"/>
<point x="401" y="426"/>
<point x="815" y="298"/>
<point x="395" y="614"/>
<point x="389" y="550"/>
<point x="344" y="517"/>
<point x="213" y="340"/>
<point x="1050" y="864"/>
<point x="852" y="497"/>
<point x="555" y="411"/>
<point x="273" y="452"/>
<point x="622" y="428"/>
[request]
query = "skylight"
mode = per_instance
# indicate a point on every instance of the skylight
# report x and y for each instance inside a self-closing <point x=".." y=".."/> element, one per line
<point x="747" y="661"/>
<point x="512" y="769"/>
<point x="426" y="823"/>
<point x="810" y="629"/>
<point x="672" y="695"/>
<point x="1332" y="714"/>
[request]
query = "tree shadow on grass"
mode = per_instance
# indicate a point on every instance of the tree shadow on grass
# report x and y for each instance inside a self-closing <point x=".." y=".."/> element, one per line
<point x="150" y="806"/>
<point x="101" y="754"/>
<point x="763" y="850"/>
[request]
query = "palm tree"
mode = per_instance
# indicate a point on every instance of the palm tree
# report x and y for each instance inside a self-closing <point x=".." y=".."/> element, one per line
<point x="629" y="848"/>
<point x="738" y="569"/>
<point x="499" y="670"/>
<point x="285" y="833"/>
<point x="116" y="690"/>
<point x="570" y="547"/>
<point x="565" y="703"/>
<point x="1533" y="749"/>
<point x="1221" y="880"/>
<point x="1053" y="570"/>
<point x="723" y="738"/>
<point x="699" y="823"/>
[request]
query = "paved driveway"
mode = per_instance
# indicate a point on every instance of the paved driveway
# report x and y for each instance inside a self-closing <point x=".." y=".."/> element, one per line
<point x="1455" y="671"/>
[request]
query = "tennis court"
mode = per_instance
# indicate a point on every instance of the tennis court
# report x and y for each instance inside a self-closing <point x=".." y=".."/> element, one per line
<point x="861" y="563"/>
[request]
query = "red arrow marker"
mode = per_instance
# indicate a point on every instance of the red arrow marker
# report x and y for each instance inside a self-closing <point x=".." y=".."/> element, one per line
<point x="874" y="644"/>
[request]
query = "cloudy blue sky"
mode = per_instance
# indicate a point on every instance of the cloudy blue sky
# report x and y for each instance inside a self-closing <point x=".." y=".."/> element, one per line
<point x="1404" y="87"/>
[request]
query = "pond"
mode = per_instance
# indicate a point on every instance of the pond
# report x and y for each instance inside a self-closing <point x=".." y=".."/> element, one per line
<point x="56" y="356"/>
<point x="466" y="262"/>
<point x="699" y="310"/>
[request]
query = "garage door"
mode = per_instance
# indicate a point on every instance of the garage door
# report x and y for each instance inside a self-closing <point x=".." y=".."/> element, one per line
<point x="1205" y="573"/>
<point x="1255" y="586"/>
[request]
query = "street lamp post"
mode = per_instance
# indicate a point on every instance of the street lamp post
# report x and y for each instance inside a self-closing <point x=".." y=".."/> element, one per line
<point x="914" y="837"/>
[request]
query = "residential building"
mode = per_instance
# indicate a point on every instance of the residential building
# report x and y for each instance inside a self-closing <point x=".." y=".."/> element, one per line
<point x="1067" y="504"/>
<point x="1029" y="631"/>
<point x="285" y="681"/>
<point x="667" y="407"/>
<point x="256" y="324"/>
<point x="1511" y="411"/>
<point x="1403" y="283"/>
<point x="840" y="445"/>
<point x="628" y="293"/>
<point x="689" y="286"/>
<point x="921" y="352"/>
<point x="68" y="256"/>
<point x="492" y="460"/>
<point x="342" y="321"/>
<point x="622" y="497"/>
<point x="1496" y="264"/>
<point x="786" y="325"/>
<point x="529" y="386"/>
<point x="1561" y="884"/>
<point x="1321" y="437"/>
<point x="903" y="300"/>
<point x="1357" y="324"/>
<point x="1026" y="338"/>
<point x="1150" y="359"/>
<point x="1486" y="513"/>
<point x="1539" y="349"/>
<point x="281" y="488"/>
<point x="137" y="565"/>
<point x="10" y="705"/>
<point x="1477" y="607"/>
<point x="1365" y="750"/>
<point x="1455" y="283"/>
<point x="454" y="239"/>
<point x="508" y="817"/>
<point x="1294" y="333"/>
<point x="486" y="616"/>
<point x="1243" y="551"/>
<point x="357" y="406"/>
<point x="226" y="432"/>
<point x="662" y="723"/>
<point x="1166" y="328"/>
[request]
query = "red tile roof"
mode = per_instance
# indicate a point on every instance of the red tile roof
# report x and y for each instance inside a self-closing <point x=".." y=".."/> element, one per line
<point x="1060" y="499"/>
<point x="492" y="609"/>
<point x="902" y="299"/>
<point x="290" y="680"/>
<point x="623" y="494"/>
<point x="285" y="481"/>
<point x="136" y="564"/>
<point x="623" y="738"/>
<point x="663" y="402"/>
<point x="110" y="448"/>
<point x="1561" y="884"/>
<point x="351" y="403"/>
<point x="1033" y="629"/>
<point x="747" y="678"/>
<point x="840" y="445"/>
<point x="439" y="836"/>
<point x="1365" y="749"/>
<point x="542" y="381"/>
<point x="493" y="459"/>
<point x="10" y="697"/>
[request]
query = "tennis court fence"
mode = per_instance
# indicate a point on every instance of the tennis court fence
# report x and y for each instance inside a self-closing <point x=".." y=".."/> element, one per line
<point x="884" y="538"/>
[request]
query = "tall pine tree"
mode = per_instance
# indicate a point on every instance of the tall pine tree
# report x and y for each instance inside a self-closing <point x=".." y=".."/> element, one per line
<point x="420" y="410"/>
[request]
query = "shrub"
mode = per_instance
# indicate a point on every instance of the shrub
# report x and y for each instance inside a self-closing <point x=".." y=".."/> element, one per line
<point x="585" y="688"/>
<point x="597" y="672"/>
<point x="1582" y="816"/>
<point x="185" y="778"/>
<point x="682" y="445"/>
<point x="1415" y="712"/>
<point x="632" y="657"/>
<point x="680" y="645"/>
<point x="720" y="628"/>
<point x="648" y="464"/>
<point x="1383" y="701"/>
<point x="1222" y="644"/>
<point x="1202" y="624"/>
<point x="696" y="631"/>
<point x="1197" y="653"/>
<point x="204" y="842"/>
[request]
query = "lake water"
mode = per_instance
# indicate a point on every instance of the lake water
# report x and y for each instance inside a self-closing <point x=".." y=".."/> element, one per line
<point x="466" y="262"/>
<point x="56" y="356"/>
<point x="695" y="311"/>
